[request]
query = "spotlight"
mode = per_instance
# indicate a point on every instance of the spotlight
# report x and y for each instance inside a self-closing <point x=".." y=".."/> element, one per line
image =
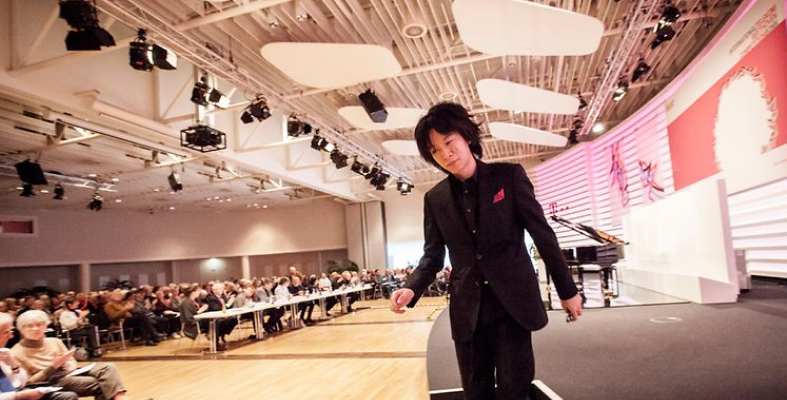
<point x="621" y="90"/>
<point x="294" y="126"/>
<point x="30" y="172"/>
<point x="203" y="138"/>
<point x="164" y="58"/>
<point x="641" y="69"/>
<point x="582" y="103"/>
<point x="60" y="192"/>
<point x="372" y="172"/>
<point x="174" y="182"/>
<point x="573" y="137"/>
<point x="373" y="106"/>
<point x="379" y="180"/>
<point x="359" y="167"/>
<point x="258" y="109"/>
<point x="199" y="93"/>
<point x="86" y="33"/>
<point x="300" y="13"/>
<point x="404" y="188"/>
<point x="218" y="98"/>
<point x="338" y="158"/>
<point x="663" y="33"/>
<point x="598" y="128"/>
<point x="27" y="190"/>
<point x="670" y="14"/>
<point x="139" y="55"/>
<point x="96" y="203"/>
<point x="317" y="141"/>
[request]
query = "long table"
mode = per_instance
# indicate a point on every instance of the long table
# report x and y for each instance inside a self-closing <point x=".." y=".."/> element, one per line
<point x="257" y="309"/>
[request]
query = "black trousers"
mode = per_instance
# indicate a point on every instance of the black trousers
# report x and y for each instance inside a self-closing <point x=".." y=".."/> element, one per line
<point x="501" y="349"/>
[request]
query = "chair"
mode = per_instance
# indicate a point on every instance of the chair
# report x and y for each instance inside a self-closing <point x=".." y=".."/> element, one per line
<point x="194" y="342"/>
<point x="114" y="329"/>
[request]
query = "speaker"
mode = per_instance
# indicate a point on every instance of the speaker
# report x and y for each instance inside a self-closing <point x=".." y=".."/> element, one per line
<point x="30" y="172"/>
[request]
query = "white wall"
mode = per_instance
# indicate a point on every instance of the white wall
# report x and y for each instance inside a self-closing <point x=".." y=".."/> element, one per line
<point x="73" y="237"/>
<point x="681" y="246"/>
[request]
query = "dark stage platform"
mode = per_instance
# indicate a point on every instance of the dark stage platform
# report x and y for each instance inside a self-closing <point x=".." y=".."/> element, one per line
<point x="686" y="351"/>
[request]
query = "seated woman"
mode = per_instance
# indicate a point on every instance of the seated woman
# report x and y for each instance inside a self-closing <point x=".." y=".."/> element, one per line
<point x="188" y="309"/>
<point x="48" y="360"/>
<point x="75" y="322"/>
<point x="13" y="377"/>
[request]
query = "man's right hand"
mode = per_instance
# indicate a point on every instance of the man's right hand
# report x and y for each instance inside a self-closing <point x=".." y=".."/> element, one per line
<point x="401" y="298"/>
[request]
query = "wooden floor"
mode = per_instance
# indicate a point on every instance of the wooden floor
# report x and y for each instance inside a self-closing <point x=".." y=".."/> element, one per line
<point x="369" y="354"/>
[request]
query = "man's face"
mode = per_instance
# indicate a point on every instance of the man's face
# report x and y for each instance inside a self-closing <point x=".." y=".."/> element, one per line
<point x="452" y="153"/>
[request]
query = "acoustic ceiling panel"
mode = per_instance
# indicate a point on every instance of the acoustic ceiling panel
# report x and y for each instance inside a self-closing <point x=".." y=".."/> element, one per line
<point x="512" y="96"/>
<point x="523" y="134"/>
<point x="513" y="27"/>
<point x="331" y="65"/>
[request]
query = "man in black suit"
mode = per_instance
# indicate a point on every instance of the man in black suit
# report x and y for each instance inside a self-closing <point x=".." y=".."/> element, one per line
<point x="480" y="212"/>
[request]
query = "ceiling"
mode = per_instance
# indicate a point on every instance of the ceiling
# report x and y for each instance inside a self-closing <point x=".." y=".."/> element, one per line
<point x="131" y="158"/>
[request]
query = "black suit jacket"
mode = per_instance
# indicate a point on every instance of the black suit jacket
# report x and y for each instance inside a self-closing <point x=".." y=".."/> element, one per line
<point x="507" y="207"/>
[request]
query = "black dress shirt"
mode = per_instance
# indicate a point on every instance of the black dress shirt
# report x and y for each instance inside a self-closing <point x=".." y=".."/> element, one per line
<point x="466" y="199"/>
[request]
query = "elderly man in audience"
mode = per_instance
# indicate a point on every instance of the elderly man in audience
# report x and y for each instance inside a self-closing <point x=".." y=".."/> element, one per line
<point x="265" y="295"/>
<point x="13" y="377"/>
<point x="75" y="321"/>
<point x="118" y="310"/>
<point x="48" y="360"/>
<point x="217" y="300"/>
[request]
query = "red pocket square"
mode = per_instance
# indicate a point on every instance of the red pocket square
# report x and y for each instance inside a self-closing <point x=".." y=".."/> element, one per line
<point x="499" y="196"/>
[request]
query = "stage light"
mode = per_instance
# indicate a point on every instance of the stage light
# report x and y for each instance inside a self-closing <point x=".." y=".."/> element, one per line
<point x="379" y="180"/>
<point x="573" y="137"/>
<point x="317" y="141"/>
<point x="670" y="14"/>
<point x="199" y="93"/>
<point x="641" y="69"/>
<point x="218" y="98"/>
<point x="203" y="138"/>
<point x="27" y="190"/>
<point x="164" y="58"/>
<point x="246" y="117"/>
<point x="60" y="192"/>
<point x="86" y="33"/>
<point x="359" y="167"/>
<point x="621" y="90"/>
<point x="139" y="55"/>
<point x="30" y="172"/>
<point x="258" y="109"/>
<point x="663" y="33"/>
<point x="175" y="182"/>
<point x="96" y="202"/>
<point x="372" y="172"/>
<point x="373" y="106"/>
<point x="598" y="128"/>
<point x="294" y="126"/>
<point x="578" y="124"/>
<point x="339" y="158"/>
<point x="404" y="187"/>
<point x="582" y="103"/>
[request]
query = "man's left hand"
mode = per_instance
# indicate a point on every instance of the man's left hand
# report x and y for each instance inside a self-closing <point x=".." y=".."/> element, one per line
<point x="573" y="306"/>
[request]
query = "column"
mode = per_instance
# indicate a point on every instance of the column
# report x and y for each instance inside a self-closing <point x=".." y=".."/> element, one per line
<point x="84" y="277"/>
<point x="245" y="267"/>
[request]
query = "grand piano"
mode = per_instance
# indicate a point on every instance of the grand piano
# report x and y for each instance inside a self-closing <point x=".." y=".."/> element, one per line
<point x="601" y="258"/>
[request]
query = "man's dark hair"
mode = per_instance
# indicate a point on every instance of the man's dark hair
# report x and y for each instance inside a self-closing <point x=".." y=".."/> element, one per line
<point x="446" y="118"/>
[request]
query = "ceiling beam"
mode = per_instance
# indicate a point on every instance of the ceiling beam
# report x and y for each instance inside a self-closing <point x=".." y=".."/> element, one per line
<point x="222" y="15"/>
<point x="67" y="58"/>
